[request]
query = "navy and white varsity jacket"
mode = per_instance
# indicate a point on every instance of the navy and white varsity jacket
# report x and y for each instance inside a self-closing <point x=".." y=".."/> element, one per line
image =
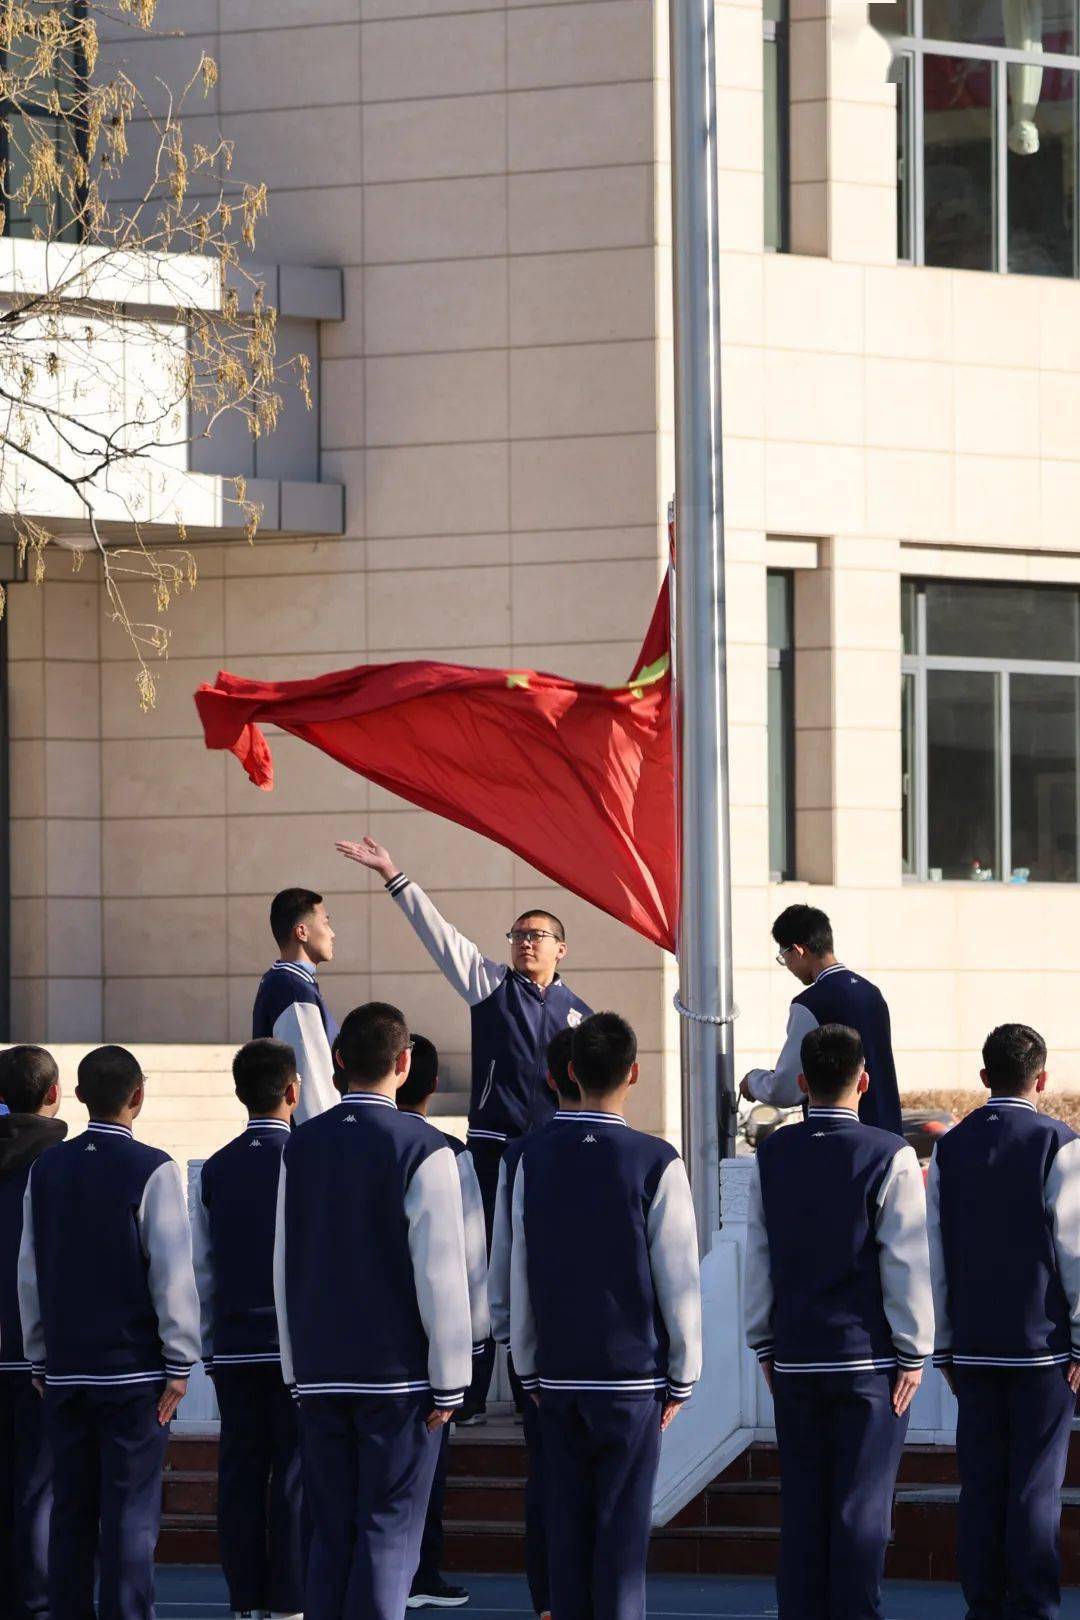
<point x="106" y="1287"/>
<point x="290" y="1008"/>
<point x="475" y="1228"/>
<point x="838" y="996"/>
<point x="370" y="1280"/>
<point x="1003" y="1207"/>
<point x="23" y="1139"/>
<point x="512" y="1022"/>
<point x="837" y="1268"/>
<point x="605" y="1292"/>
<point x="232" y="1227"/>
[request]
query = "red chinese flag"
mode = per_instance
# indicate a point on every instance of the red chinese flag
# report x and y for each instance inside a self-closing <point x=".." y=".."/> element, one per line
<point x="575" y="778"/>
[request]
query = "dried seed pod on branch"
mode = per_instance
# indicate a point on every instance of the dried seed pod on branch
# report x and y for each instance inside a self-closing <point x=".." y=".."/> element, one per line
<point x="129" y="324"/>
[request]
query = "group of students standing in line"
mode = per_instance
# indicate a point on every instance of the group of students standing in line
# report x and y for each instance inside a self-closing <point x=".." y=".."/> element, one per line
<point x="334" y="1277"/>
<point x="353" y="1274"/>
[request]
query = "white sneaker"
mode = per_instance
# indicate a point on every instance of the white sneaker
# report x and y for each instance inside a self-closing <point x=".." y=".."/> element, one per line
<point x="283" y="1614"/>
<point x="251" y="1614"/>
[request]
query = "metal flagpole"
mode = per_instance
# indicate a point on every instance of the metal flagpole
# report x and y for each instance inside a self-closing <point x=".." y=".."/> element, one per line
<point x="706" y="1001"/>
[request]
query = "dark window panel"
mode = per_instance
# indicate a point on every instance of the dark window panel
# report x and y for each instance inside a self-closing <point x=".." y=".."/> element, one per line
<point x="958" y="163"/>
<point x="1044" y="722"/>
<point x="1002" y="621"/>
<point x="964" y="820"/>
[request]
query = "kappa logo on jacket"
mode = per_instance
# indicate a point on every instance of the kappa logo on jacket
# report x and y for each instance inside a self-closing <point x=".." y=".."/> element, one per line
<point x="89" y="1148"/>
<point x="585" y="1139"/>
<point x="350" y="1119"/>
<point x="255" y="1142"/>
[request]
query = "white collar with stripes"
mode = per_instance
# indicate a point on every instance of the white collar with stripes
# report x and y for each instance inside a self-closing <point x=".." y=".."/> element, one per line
<point x="1010" y="1102"/>
<point x="106" y="1127"/>
<point x="302" y="968"/>
<point x="588" y="1116"/>
<point x="367" y="1097"/>
<point x="268" y="1125"/>
<point x="835" y="967"/>
<point x="832" y="1113"/>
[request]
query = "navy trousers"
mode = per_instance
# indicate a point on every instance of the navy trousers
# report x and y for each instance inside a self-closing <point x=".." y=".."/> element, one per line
<point x="536" y="1551"/>
<point x="260" y="1500"/>
<point x="486" y="1157"/>
<point x="431" y="1541"/>
<point x="1012" y="1445"/>
<point x="108" y="1452"/>
<point x="368" y="1467"/>
<point x="840" y="1444"/>
<point x="25" y="1500"/>
<point x="601" y="1454"/>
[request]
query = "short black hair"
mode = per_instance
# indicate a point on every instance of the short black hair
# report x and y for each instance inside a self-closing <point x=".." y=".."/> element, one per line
<point x="602" y="1050"/>
<point x="832" y="1058"/>
<point x="27" y="1075"/>
<point x="287" y="909"/>
<point x="559" y="1052"/>
<point x="1013" y="1054"/>
<point x="261" y="1071"/>
<point x="107" y="1078"/>
<point x="549" y="916"/>
<point x="423" y="1075"/>
<point x="805" y="926"/>
<point x="370" y="1041"/>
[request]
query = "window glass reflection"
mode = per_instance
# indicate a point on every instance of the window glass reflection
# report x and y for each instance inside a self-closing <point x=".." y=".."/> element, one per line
<point x="964" y="824"/>
<point x="958" y="163"/>
<point x="1044" y="719"/>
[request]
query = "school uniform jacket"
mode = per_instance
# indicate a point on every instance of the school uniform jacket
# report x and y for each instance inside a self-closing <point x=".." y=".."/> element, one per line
<point x="23" y="1139"/>
<point x="512" y="1022"/>
<point x="370" y="1279"/>
<point x="837" y="1266"/>
<point x="233" y="1217"/>
<point x="475" y="1228"/>
<point x="502" y="1232"/>
<point x="289" y="1007"/>
<point x="605" y="1291"/>
<point x="1003" y="1205"/>
<point x="838" y="996"/>
<point x="106" y="1288"/>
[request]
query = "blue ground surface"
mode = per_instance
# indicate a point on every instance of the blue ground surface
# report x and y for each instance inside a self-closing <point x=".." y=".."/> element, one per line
<point x="199" y="1594"/>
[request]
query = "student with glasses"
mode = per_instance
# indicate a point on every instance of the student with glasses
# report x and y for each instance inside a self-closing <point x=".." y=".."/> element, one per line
<point x="516" y="1007"/>
<point x="831" y="994"/>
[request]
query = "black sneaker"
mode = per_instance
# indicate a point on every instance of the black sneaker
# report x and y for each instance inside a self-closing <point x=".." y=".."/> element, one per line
<point x="436" y="1594"/>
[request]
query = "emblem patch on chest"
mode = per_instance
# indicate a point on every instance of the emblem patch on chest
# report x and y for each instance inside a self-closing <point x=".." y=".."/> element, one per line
<point x="573" y="1018"/>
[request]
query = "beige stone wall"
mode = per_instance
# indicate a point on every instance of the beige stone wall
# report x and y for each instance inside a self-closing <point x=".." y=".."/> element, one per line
<point x="494" y="178"/>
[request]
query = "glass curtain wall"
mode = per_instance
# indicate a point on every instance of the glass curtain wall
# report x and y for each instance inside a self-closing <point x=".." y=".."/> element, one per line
<point x="991" y="732"/>
<point x="987" y="135"/>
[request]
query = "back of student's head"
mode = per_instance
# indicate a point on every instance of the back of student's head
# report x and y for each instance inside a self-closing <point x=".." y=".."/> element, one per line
<point x="1013" y="1056"/>
<point x="370" y="1041"/>
<point x="262" y="1072"/>
<point x="560" y="1050"/>
<point x="603" y="1050"/>
<point x="107" y="1078"/>
<point x="832" y="1060"/>
<point x="27" y="1075"/>
<point x="288" y="908"/>
<point x="423" y="1075"/>
<point x="805" y="926"/>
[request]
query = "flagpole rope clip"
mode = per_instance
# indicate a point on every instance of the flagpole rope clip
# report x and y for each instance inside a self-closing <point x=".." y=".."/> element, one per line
<point x="701" y="1018"/>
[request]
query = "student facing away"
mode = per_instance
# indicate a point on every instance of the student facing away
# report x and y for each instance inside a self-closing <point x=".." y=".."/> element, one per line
<point x="260" y="1507"/>
<point x="1003" y="1200"/>
<point x="429" y="1588"/>
<point x="373" y="1313"/>
<point x="605" y="1323"/>
<point x="30" y="1086"/>
<point x="840" y="1315"/>
<point x="110" y="1320"/>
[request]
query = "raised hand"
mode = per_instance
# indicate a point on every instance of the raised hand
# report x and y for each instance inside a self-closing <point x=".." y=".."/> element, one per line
<point x="370" y="854"/>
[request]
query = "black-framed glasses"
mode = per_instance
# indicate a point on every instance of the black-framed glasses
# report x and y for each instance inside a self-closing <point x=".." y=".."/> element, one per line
<point x="529" y="936"/>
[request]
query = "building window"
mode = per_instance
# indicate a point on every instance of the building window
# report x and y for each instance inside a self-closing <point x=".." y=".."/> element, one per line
<point x="55" y="117"/>
<point x="987" y="146"/>
<point x="781" y="722"/>
<point x="776" y="125"/>
<point x="991" y="731"/>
